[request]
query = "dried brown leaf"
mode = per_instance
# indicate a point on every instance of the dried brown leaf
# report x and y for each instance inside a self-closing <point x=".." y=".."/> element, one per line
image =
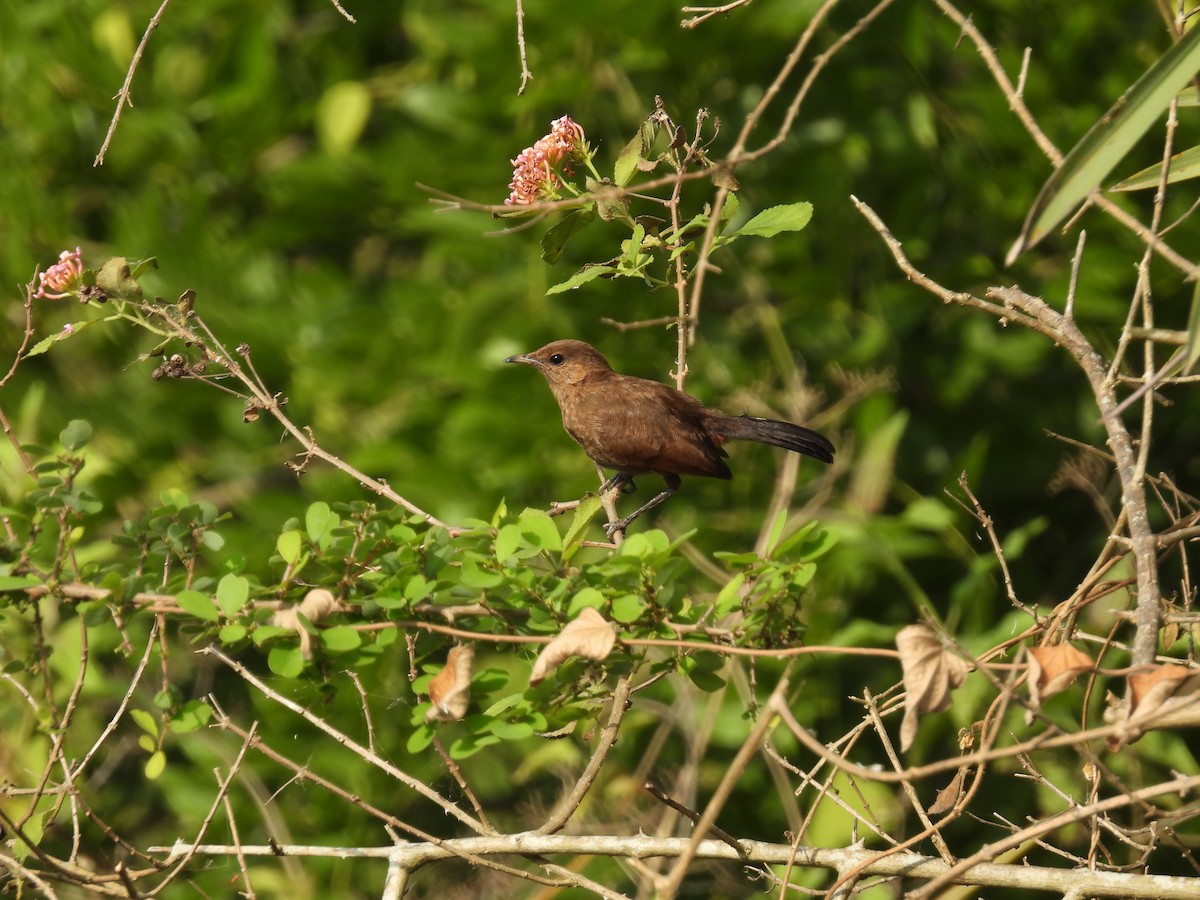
<point x="1053" y="669"/>
<point x="450" y="689"/>
<point x="930" y="674"/>
<point x="1160" y="696"/>
<point x="1159" y="689"/>
<point x="588" y="635"/>
<point x="316" y="605"/>
<point x="948" y="796"/>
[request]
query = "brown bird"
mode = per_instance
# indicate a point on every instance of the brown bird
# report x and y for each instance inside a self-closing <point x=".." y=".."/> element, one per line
<point x="636" y="426"/>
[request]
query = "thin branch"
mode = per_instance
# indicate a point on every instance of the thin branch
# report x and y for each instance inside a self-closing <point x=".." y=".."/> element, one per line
<point x="123" y="98"/>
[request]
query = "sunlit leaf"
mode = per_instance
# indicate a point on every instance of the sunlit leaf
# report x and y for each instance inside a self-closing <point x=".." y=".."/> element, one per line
<point x="1107" y="142"/>
<point x="1184" y="165"/>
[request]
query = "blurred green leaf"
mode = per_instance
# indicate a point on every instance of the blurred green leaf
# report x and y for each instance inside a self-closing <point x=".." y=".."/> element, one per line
<point x="1184" y="166"/>
<point x="342" y="114"/>
<point x="1107" y="142"/>
<point x="76" y="435"/>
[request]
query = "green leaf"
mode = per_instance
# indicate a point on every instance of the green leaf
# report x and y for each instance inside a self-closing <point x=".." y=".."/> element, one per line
<point x="1107" y="142"/>
<point x="628" y="608"/>
<point x="116" y="279"/>
<point x="287" y="545"/>
<point x="139" y="267"/>
<point x="706" y="680"/>
<point x="470" y="744"/>
<point x="776" y="219"/>
<point x="197" y="604"/>
<point x="584" y="513"/>
<point x="1184" y="165"/>
<point x="155" y="765"/>
<point x="730" y="597"/>
<point x="232" y="593"/>
<point x="473" y="576"/>
<point x="232" y="633"/>
<point x="76" y="435"/>
<point x="1192" y="348"/>
<point x="776" y="531"/>
<point x="319" y="522"/>
<point x="582" y="277"/>
<point x="175" y="498"/>
<point x="286" y="661"/>
<point x="342" y="114"/>
<point x="508" y="539"/>
<point x="17" y="582"/>
<point x="341" y="638"/>
<point x="506" y="703"/>
<point x="632" y="154"/>
<point x="148" y="722"/>
<point x="557" y="235"/>
<point x="587" y="597"/>
<point x="539" y="530"/>
<point x="512" y="731"/>
<point x="194" y="714"/>
<point x="422" y="737"/>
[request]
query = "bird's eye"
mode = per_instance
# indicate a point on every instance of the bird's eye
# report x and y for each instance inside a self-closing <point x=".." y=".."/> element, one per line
<point x="556" y="359"/>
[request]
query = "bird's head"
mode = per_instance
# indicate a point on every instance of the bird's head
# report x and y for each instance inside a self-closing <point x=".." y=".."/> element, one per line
<point x="565" y="362"/>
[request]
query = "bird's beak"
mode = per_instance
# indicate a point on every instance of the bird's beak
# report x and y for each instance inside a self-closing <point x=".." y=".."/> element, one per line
<point x="523" y="358"/>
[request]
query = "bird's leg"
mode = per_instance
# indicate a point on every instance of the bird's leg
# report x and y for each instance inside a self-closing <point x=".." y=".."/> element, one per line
<point x="620" y="480"/>
<point x="673" y="482"/>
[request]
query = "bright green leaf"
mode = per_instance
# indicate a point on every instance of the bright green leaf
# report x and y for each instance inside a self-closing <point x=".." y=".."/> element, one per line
<point x="538" y="528"/>
<point x="197" y="604"/>
<point x="508" y="539"/>
<point x="772" y="221"/>
<point x="287" y="545"/>
<point x="232" y="593"/>
<point x="319" y="522"/>
<point x="148" y="722"/>
<point x="194" y="714"/>
<point x="155" y="764"/>
<point x="628" y="608"/>
<point x="582" y="277"/>
<point x="342" y="114"/>
<point x="474" y="576"/>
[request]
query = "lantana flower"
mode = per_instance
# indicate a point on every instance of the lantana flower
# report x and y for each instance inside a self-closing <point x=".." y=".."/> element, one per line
<point x="536" y="169"/>
<point x="62" y="278"/>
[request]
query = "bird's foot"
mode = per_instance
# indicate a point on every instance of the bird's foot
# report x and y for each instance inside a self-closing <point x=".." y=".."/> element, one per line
<point x="611" y="528"/>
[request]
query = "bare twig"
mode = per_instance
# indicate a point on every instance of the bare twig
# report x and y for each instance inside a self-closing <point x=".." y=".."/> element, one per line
<point x="123" y="98"/>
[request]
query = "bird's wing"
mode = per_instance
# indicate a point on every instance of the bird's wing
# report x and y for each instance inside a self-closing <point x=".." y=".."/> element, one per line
<point x="655" y="429"/>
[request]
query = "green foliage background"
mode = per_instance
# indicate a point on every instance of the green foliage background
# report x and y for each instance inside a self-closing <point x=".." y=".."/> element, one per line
<point x="242" y="168"/>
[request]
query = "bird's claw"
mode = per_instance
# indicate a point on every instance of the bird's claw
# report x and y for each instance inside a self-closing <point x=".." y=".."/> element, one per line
<point x="611" y="528"/>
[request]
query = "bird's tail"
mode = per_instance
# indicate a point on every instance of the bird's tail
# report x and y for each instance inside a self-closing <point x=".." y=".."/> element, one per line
<point x="778" y="434"/>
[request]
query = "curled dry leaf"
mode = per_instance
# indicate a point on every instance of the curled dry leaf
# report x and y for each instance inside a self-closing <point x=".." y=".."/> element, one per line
<point x="1159" y="697"/>
<point x="316" y="605"/>
<point x="588" y="634"/>
<point x="930" y="674"/>
<point x="1051" y="671"/>
<point x="948" y="797"/>
<point x="450" y="689"/>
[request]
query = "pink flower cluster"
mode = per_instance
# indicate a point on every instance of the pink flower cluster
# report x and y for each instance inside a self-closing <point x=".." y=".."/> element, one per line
<point x="534" y="170"/>
<point x="62" y="277"/>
